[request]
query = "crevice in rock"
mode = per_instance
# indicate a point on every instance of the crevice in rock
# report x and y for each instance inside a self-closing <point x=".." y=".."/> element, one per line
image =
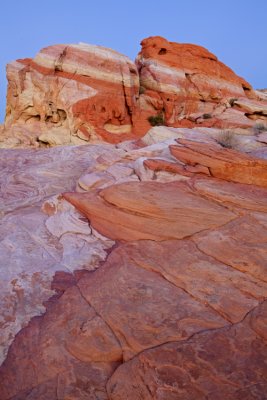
<point x="198" y="300"/>
<point x="128" y="107"/>
<point x="99" y="315"/>
<point x="58" y="66"/>
<point x="222" y="262"/>
<point x="188" y="77"/>
<point x="195" y="335"/>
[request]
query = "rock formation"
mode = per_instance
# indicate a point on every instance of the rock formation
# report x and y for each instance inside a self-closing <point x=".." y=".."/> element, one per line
<point x="74" y="94"/>
<point x="161" y="295"/>
<point x="134" y="269"/>
<point x="187" y="83"/>
<point x="77" y="92"/>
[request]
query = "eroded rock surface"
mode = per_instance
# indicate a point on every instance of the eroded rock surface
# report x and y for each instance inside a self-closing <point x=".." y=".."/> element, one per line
<point x="152" y="287"/>
<point x="79" y="93"/>
<point x="188" y="85"/>
<point x="210" y="365"/>
<point x="40" y="234"/>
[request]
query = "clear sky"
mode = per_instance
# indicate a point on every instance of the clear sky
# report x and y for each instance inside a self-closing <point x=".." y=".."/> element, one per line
<point x="234" y="30"/>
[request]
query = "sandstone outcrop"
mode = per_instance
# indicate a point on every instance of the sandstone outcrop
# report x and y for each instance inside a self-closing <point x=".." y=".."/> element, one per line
<point x="188" y="85"/>
<point x="225" y="164"/>
<point x="161" y="294"/>
<point x="181" y="370"/>
<point x="149" y="210"/>
<point x="134" y="269"/>
<point x="79" y="93"/>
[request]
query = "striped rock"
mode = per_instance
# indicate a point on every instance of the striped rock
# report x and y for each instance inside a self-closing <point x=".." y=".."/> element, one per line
<point x="89" y="91"/>
<point x="189" y="85"/>
<point x="72" y="94"/>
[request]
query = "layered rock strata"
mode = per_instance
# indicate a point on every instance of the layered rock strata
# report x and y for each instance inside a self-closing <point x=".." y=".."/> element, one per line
<point x="78" y="93"/>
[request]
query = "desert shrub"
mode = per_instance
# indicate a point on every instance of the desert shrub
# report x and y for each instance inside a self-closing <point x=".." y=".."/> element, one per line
<point x="206" y="116"/>
<point x="227" y="139"/>
<point x="232" y="101"/>
<point x="259" y="127"/>
<point x="142" y="90"/>
<point x="156" y="120"/>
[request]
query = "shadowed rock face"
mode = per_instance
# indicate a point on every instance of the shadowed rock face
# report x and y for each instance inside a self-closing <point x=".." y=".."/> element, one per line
<point x="150" y="285"/>
<point x="78" y="93"/>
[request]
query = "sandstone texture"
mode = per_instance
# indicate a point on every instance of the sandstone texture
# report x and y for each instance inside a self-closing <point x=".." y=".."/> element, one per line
<point x="134" y="271"/>
<point x="76" y="93"/>
<point x="79" y="93"/>
<point x="188" y="85"/>
<point x="133" y="260"/>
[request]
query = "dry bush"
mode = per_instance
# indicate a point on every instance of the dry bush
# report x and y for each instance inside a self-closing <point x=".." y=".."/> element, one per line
<point x="227" y="139"/>
<point x="157" y="120"/>
<point x="142" y="90"/>
<point x="259" y="127"/>
<point x="206" y="116"/>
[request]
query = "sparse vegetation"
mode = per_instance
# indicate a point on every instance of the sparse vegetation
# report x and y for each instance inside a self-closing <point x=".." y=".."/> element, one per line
<point x="259" y="128"/>
<point x="157" y="120"/>
<point x="206" y="116"/>
<point x="142" y="90"/>
<point x="227" y="139"/>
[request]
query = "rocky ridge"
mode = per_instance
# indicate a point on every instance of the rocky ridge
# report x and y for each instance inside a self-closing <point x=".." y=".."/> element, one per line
<point x="79" y="93"/>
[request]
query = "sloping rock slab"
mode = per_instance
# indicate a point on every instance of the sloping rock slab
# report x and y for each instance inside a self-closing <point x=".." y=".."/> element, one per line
<point x="149" y="210"/>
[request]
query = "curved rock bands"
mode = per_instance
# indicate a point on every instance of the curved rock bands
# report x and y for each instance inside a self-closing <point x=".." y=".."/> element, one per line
<point x="96" y="95"/>
<point x="149" y="210"/>
<point x="185" y="55"/>
<point x="222" y="163"/>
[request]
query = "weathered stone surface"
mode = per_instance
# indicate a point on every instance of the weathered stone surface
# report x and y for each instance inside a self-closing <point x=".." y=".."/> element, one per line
<point x="252" y="106"/>
<point x="221" y="364"/>
<point x="242" y="244"/>
<point x="233" y="194"/>
<point x="133" y="311"/>
<point x="149" y="308"/>
<point x="148" y="210"/>
<point x="222" y="163"/>
<point x="189" y="85"/>
<point x="180" y="315"/>
<point x="36" y="243"/>
<point x="227" y="291"/>
<point x="51" y="360"/>
<point x="78" y="93"/>
<point x="82" y="92"/>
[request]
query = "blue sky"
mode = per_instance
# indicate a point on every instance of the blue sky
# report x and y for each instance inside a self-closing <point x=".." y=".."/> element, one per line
<point x="236" y="31"/>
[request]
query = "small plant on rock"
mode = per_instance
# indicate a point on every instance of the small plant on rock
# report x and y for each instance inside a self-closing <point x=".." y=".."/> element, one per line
<point x="142" y="90"/>
<point x="259" y="127"/>
<point x="206" y="116"/>
<point x="227" y="139"/>
<point x="157" y="120"/>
